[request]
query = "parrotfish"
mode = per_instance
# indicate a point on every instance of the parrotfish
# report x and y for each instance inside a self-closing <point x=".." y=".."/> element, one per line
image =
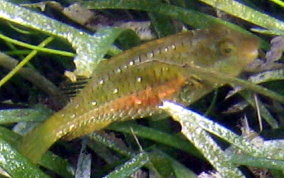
<point x="134" y="83"/>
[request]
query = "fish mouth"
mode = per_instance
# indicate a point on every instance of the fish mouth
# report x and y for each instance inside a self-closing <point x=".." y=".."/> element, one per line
<point x="252" y="54"/>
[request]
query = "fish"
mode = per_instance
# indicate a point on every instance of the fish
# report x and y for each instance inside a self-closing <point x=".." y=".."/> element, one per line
<point x="134" y="84"/>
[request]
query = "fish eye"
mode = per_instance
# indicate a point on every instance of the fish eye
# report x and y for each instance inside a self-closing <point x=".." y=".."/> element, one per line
<point x="226" y="48"/>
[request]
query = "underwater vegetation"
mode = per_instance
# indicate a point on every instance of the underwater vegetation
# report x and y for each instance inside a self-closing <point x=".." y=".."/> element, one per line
<point x="205" y="77"/>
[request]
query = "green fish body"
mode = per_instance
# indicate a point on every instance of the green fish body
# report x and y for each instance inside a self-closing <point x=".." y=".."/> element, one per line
<point x="133" y="84"/>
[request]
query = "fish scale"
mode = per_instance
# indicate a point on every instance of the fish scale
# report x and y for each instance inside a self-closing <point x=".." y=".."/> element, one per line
<point x="132" y="95"/>
<point x="134" y="84"/>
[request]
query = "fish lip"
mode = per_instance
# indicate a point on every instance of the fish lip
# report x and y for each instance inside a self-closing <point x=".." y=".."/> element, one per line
<point x="252" y="54"/>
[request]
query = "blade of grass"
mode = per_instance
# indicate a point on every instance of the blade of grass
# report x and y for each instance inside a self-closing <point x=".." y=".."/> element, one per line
<point x="15" y="164"/>
<point x="110" y="144"/>
<point x="57" y="165"/>
<point x="276" y="173"/>
<point x="84" y="163"/>
<point x="102" y="151"/>
<point x="130" y="166"/>
<point x="221" y="132"/>
<point x="190" y="17"/>
<point x="166" y="166"/>
<point x="49" y="160"/>
<point x="267" y="76"/>
<point x="90" y="49"/>
<point x="257" y="162"/>
<point x="268" y="32"/>
<point x="156" y="135"/>
<point x="162" y="25"/>
<point x="9" y="116"/>
<point x="244" y="12"/>
<point x="177" y="167"/>
<point x="271" y="152"/>
<point x="194" y="131"/>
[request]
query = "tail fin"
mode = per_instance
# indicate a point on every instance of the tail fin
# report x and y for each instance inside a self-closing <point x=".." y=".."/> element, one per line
<point x="34" y="144"/>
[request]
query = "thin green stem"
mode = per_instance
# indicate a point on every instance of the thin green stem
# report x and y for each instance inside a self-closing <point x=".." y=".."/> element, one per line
<point x="24" y="62"/>
<point x="38" y="48"/>
<point x="279" y="2"/>
<point x="17" y="52"/>
<point x="212" y="104"/>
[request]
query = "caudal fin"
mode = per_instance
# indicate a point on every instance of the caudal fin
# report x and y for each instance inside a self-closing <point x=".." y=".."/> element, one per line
<point x="34" y="144"/>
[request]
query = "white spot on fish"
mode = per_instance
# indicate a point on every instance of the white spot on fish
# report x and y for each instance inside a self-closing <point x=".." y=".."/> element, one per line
<point x="165" y="68"/>
<point x="157" y="51"/>
<point x="139" y="79"/>
<point x="115" y="91"/>
<point x="121" y="114"/>
<point x="138" y="101"/>
<point x="118" y="70"/>
<point x="101" y="82"/>
<point x="150" y="54"/>
<point x="137" y="60"/>
<point x="59" y="134"/>
<point x="72" y="127"/>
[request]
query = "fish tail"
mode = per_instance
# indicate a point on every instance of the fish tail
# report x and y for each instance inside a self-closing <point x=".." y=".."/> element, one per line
<point x="35" y="143"/>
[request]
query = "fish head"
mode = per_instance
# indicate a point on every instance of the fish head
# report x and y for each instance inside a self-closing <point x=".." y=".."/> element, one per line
<point x="225" y="50"/>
